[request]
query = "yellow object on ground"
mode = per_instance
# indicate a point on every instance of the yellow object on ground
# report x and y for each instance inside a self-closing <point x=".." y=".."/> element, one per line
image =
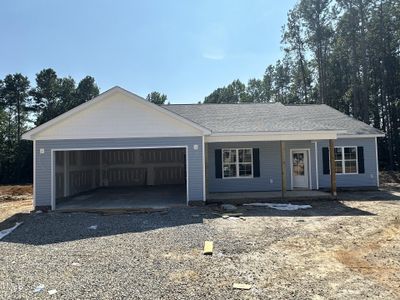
<point x="208" y="248"/>
<point x="241" y="286"/>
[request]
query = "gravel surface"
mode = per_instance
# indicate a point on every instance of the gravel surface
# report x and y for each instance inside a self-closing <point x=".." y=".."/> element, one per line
<point x="282" y="255"/>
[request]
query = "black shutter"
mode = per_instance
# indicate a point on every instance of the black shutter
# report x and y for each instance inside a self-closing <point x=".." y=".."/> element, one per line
<point x="325" y="160"/>
<point x="256" y="162"/>
<point x="360" y="153"/>
<point x="218" y="163"/>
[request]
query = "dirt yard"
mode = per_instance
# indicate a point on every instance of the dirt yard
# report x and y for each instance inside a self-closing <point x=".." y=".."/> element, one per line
<point x="14" y="199"/>
<point x="347" y="249"/>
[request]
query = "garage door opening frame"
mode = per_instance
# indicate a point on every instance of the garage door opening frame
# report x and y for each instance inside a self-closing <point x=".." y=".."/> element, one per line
<point x="53" y="190"/>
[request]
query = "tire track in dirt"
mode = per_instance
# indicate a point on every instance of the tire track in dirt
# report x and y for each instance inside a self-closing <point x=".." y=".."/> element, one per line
<point x="366" y="259"/>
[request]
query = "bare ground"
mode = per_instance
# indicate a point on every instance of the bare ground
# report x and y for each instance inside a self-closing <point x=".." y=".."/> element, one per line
<point x="346" y="249"/>
<point x="14" y="200"/>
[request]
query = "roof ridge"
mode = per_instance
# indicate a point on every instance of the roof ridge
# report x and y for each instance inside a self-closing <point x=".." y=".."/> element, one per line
<point x="204" y="104"/>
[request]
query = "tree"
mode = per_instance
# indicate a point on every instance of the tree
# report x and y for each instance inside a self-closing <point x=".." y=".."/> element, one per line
<point x="282" y="81"/>
<point x="353" y="25"/>
<point x="293" y="37"/>
<point x="216" y="96"/>
<point x="20" y="105"/>
<point x="316" y="17"/>
<point x="234" y="92"/>
<point x="87" y="89"/>
<point x="344" y="53"/>
<point x="54" y="96"/>
<point x="156" y="98"/>
<point x="15" y="99"/>
<point x="256" y="91"/>
<point x="45" y="95"/>
<point x="15" y="162"/>
<point x="67" y="94"/>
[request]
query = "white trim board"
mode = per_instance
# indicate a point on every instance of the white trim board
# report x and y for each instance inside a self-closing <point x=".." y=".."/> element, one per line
<point x="52" y="161"/>
<point x="360" y="136"/>
<point x="298" y="136"/>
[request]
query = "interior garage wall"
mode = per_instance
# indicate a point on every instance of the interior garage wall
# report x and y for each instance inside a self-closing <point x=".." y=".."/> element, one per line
<point x="142" y="167"/>
<point x="76" y="172"/>
<point x="46" y="148"/>
<point x="79" y="171"/>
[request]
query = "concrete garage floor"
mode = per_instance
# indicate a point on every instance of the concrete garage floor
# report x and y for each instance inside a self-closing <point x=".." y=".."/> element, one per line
<point x="155" y="197"/>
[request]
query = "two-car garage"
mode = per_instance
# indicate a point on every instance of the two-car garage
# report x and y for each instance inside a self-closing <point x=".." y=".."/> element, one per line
<point x="111" y="178"/>
<point x="118" y="150"/>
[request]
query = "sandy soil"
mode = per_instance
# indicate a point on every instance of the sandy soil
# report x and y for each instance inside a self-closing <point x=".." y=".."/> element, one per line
<point x="356" y="253"/>
<point x="14" y="200"/>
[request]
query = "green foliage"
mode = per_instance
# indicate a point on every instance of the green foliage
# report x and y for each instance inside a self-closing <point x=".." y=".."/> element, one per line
<point x="53" y="96"/>
<point x="87" y="89"/>
<point x="14" y="100"/>
<point x="20" y="105"/>
<point x="156" y="98"/>
<point x="343" y="53"/>
<point x="235" y="92"/>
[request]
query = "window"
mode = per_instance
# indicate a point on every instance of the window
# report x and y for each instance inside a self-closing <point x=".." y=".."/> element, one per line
<point x="346" y="160"/>
<point x="237" y="163"/>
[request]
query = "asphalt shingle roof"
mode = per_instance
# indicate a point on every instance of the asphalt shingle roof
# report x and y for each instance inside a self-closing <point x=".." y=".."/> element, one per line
<point x="269" y="117"/>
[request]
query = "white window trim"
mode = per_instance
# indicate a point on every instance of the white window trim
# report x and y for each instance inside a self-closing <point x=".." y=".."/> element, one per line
<point x="237" y="163"/>
<point x="343" y="161"/>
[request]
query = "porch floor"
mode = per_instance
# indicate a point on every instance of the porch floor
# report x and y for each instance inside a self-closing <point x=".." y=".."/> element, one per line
<point x="244" y="197"/>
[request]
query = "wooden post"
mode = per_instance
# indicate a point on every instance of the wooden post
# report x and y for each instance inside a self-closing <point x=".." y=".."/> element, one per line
<point x="283" y="168"/>
<point x="205" y="167"/>
<point x="100" y="168"/>
<point x="66" y="173"/>
<point x="333" y="167"/>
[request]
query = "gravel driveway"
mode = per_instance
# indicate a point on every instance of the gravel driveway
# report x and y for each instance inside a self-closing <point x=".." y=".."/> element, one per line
<point x="281" y="255"/>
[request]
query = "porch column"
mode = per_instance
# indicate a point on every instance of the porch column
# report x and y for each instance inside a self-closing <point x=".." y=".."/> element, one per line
<point x="333" y="166"/>
<point x="283" y="168"/>
<point x="205" y="157"/>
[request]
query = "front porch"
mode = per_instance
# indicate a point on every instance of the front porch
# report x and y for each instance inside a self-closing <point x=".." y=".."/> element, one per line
<point x="276" y="170"/>
<point x="244" y="197"/>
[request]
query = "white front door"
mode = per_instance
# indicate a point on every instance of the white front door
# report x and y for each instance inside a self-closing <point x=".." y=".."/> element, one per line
<point x="300" y="169"/>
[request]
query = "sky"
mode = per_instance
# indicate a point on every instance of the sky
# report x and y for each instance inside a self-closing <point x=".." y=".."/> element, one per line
<point x="182" y="48"/>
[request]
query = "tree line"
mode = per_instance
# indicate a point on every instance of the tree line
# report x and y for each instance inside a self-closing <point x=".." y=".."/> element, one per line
<point x="23" y="106"/>
<point x="343" y="53"/>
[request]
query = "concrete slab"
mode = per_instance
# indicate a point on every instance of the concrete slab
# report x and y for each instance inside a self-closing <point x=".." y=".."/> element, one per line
<point x="154" y="197"/>
<point x="240" y="197"/>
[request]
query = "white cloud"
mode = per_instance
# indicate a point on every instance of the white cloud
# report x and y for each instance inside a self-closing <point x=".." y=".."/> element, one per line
<point x="213" y="41"/>
<point x="214" y="55"/>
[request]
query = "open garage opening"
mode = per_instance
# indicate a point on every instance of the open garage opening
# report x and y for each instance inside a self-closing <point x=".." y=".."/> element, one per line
<point x="119" y="178"/>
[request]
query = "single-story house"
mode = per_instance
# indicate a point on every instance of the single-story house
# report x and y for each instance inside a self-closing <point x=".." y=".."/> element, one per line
<point x="119" y="139"/>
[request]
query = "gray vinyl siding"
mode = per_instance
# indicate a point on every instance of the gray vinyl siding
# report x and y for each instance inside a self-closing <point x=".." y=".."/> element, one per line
<point x="270" y="167"/>
<point x="368" y="179"/>
<point x="43" y="161"/>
